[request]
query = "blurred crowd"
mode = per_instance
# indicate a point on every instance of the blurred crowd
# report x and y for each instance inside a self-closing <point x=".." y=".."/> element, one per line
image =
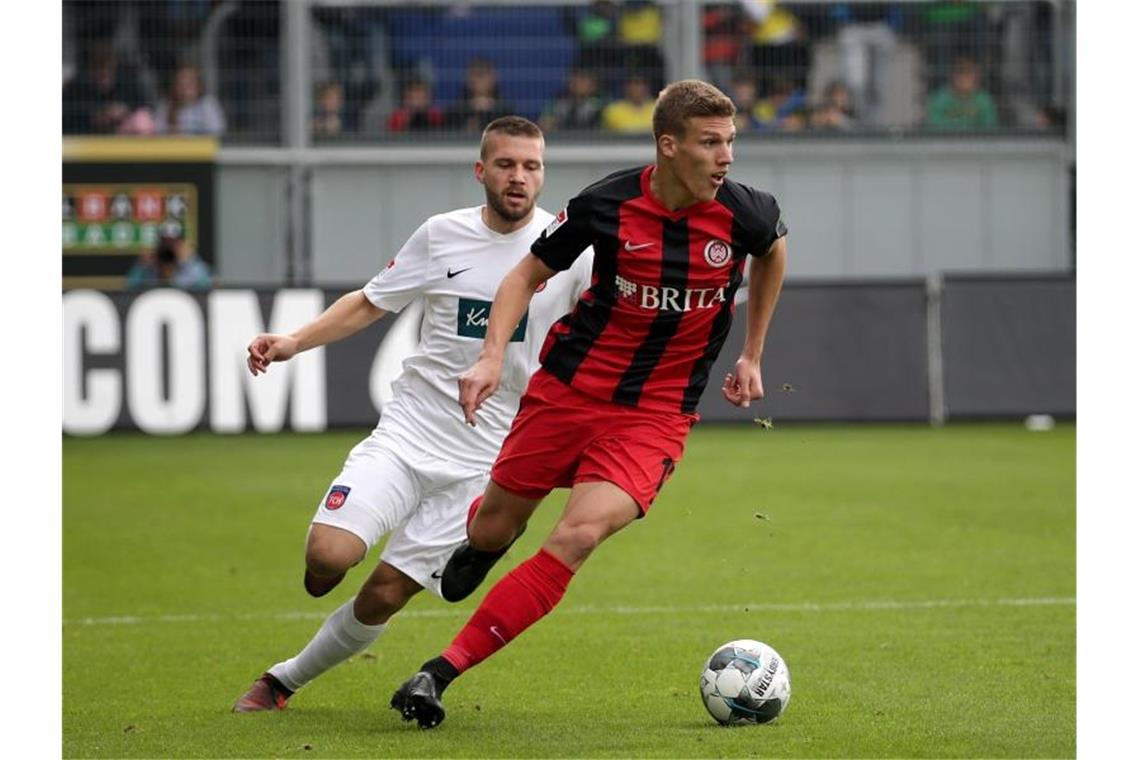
<point x="214" y="66"/>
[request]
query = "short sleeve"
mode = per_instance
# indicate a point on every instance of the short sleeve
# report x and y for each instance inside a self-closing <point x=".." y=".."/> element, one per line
<point x="567" y="235"/>
<point x="405" y="277"/>
<point x="583" y="273"/>
<point x="768" y="225"/>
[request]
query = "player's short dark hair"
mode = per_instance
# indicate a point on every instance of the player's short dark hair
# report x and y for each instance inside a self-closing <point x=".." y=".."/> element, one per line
<point x="683" y="100"/>
<point x="515" y="126"/>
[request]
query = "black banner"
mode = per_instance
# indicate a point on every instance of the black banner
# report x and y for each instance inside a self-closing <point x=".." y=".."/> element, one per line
<point x="835" y="352"/>
<point x="167" y="361"/>
<point x="1009" y="345"/>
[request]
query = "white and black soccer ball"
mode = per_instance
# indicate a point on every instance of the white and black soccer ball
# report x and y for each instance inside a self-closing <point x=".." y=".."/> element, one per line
<point x="746" y="681"/>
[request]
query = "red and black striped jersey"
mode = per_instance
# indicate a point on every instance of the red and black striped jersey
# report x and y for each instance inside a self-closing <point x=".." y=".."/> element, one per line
<point x="649" y="328"/>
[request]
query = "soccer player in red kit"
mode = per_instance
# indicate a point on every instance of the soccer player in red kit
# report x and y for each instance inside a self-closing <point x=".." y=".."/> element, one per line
<point x="608" y="411"/>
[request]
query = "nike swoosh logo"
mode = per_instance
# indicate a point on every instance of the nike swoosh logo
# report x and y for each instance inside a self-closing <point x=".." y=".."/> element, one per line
<point x="495" y="632"/>
<point x="451" y="274"/>
<point x="437" y="574"/>
<point x="629" y="246"/>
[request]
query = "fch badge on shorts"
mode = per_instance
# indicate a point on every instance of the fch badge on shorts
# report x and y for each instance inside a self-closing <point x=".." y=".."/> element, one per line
<point x="336" y="497"/>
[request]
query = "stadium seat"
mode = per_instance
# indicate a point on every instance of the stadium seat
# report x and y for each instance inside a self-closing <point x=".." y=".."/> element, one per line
<point x="529" y="46"/>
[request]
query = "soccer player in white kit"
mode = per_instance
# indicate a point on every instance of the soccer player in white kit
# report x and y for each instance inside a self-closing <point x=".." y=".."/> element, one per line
<point x="417" y="475"/>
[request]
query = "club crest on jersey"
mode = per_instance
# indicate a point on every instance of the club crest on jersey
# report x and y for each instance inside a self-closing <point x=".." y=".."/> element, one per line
<point x="557" y="222"/>
<point x="337" y="496"/>
<point x="717" y="253"/>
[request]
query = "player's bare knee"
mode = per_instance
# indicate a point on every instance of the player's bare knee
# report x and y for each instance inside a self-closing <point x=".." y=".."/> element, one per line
<point x="325" y="565"/>
<point x="328" y="553"/>
<point x="576" y="541"/>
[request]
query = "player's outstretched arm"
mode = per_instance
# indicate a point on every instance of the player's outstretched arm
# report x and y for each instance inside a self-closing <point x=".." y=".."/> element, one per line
<point x="477" y="384"/>
<point x="765" y="280"/>
<point x="351" y="313"/>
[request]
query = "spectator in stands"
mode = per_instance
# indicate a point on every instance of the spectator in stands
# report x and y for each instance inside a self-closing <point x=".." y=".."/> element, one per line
<point x="481" y="102"/>
<point x="595" y="26"/>
<point x="868" y="36"/>
<point x="639" y="32"/>
<point x="725" y="39"/>
<point x="188" y="109"/>
<point x="952" y="30"/>
<point x="328" y="110"/>
<point x="639" y="23"/>
<point x="578" y="107"/>
<point x="633" y="114"/>
<point x="618" y="38"/>
<point x="165" y="29"/>
<point x="797" y="120"/>
<point x="172" y="263"/>
<point x="595" y="23"/>
<point x="784" y="99"/>
<point x="144" y="271"/>
<point x="357" y="40"/>
<point x="105" y="98"/>
<point x="778" y="44"/>
<point x="746" y="96"/>
<point x="837" y="112"/>
<point x="1022" y="61"/>
<point x="962" y="104"/>
<point x="1051" y="117"/>
<point x="416" y="112"/>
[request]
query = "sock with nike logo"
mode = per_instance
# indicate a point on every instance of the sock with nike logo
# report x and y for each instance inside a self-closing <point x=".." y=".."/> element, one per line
<point x="518" y="601"/>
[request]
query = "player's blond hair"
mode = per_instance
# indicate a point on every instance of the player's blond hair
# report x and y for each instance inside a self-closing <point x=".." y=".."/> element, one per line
<point x="515" y="126"/>
<point x="685" y="99"/>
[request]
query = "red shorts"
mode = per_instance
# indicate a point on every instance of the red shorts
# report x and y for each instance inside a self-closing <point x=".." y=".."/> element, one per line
<point x="561" y="436"/>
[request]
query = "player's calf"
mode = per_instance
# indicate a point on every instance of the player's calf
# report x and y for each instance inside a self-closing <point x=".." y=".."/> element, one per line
<point x="384" y="594"/>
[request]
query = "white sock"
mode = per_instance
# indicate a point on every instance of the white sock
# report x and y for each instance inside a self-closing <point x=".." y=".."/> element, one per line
<point x="340" y="637"/>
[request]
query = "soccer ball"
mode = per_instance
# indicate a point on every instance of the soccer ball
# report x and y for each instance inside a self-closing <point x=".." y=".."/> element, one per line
<point x="745" y="681"/>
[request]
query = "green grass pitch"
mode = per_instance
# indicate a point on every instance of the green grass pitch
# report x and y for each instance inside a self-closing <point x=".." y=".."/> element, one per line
<point x="919" y="582"/>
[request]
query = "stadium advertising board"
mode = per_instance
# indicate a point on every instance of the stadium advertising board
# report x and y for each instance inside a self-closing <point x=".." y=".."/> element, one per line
<point x="168" y="361"/>
<point x="120" y="195"/>
<point x="126" y="218"/>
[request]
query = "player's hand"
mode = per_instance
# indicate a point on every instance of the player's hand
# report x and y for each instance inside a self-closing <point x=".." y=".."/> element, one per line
<point x="743" y="384"/>
<point x="267" y="348"/>
<point x="477" y="384"/>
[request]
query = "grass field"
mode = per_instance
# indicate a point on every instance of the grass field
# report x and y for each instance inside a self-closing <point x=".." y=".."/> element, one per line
<point x="919" y="582"/>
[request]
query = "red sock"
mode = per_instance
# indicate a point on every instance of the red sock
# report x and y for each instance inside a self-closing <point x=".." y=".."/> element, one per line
<point x="516" y="602"/>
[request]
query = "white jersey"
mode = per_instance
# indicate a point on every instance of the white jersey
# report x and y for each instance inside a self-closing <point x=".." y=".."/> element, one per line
<point x="455" y="262"/>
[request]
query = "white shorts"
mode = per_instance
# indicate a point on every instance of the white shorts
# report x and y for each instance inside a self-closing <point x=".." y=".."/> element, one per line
<point x="422" y="501"/>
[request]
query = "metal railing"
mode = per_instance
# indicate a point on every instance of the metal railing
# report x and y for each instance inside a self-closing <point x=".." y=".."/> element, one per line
<point x="381" y="71"/>
<point x="265" y="62"/>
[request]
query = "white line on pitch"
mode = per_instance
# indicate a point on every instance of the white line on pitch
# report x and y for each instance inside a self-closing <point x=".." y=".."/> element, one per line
<point x="614" y="610"/>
